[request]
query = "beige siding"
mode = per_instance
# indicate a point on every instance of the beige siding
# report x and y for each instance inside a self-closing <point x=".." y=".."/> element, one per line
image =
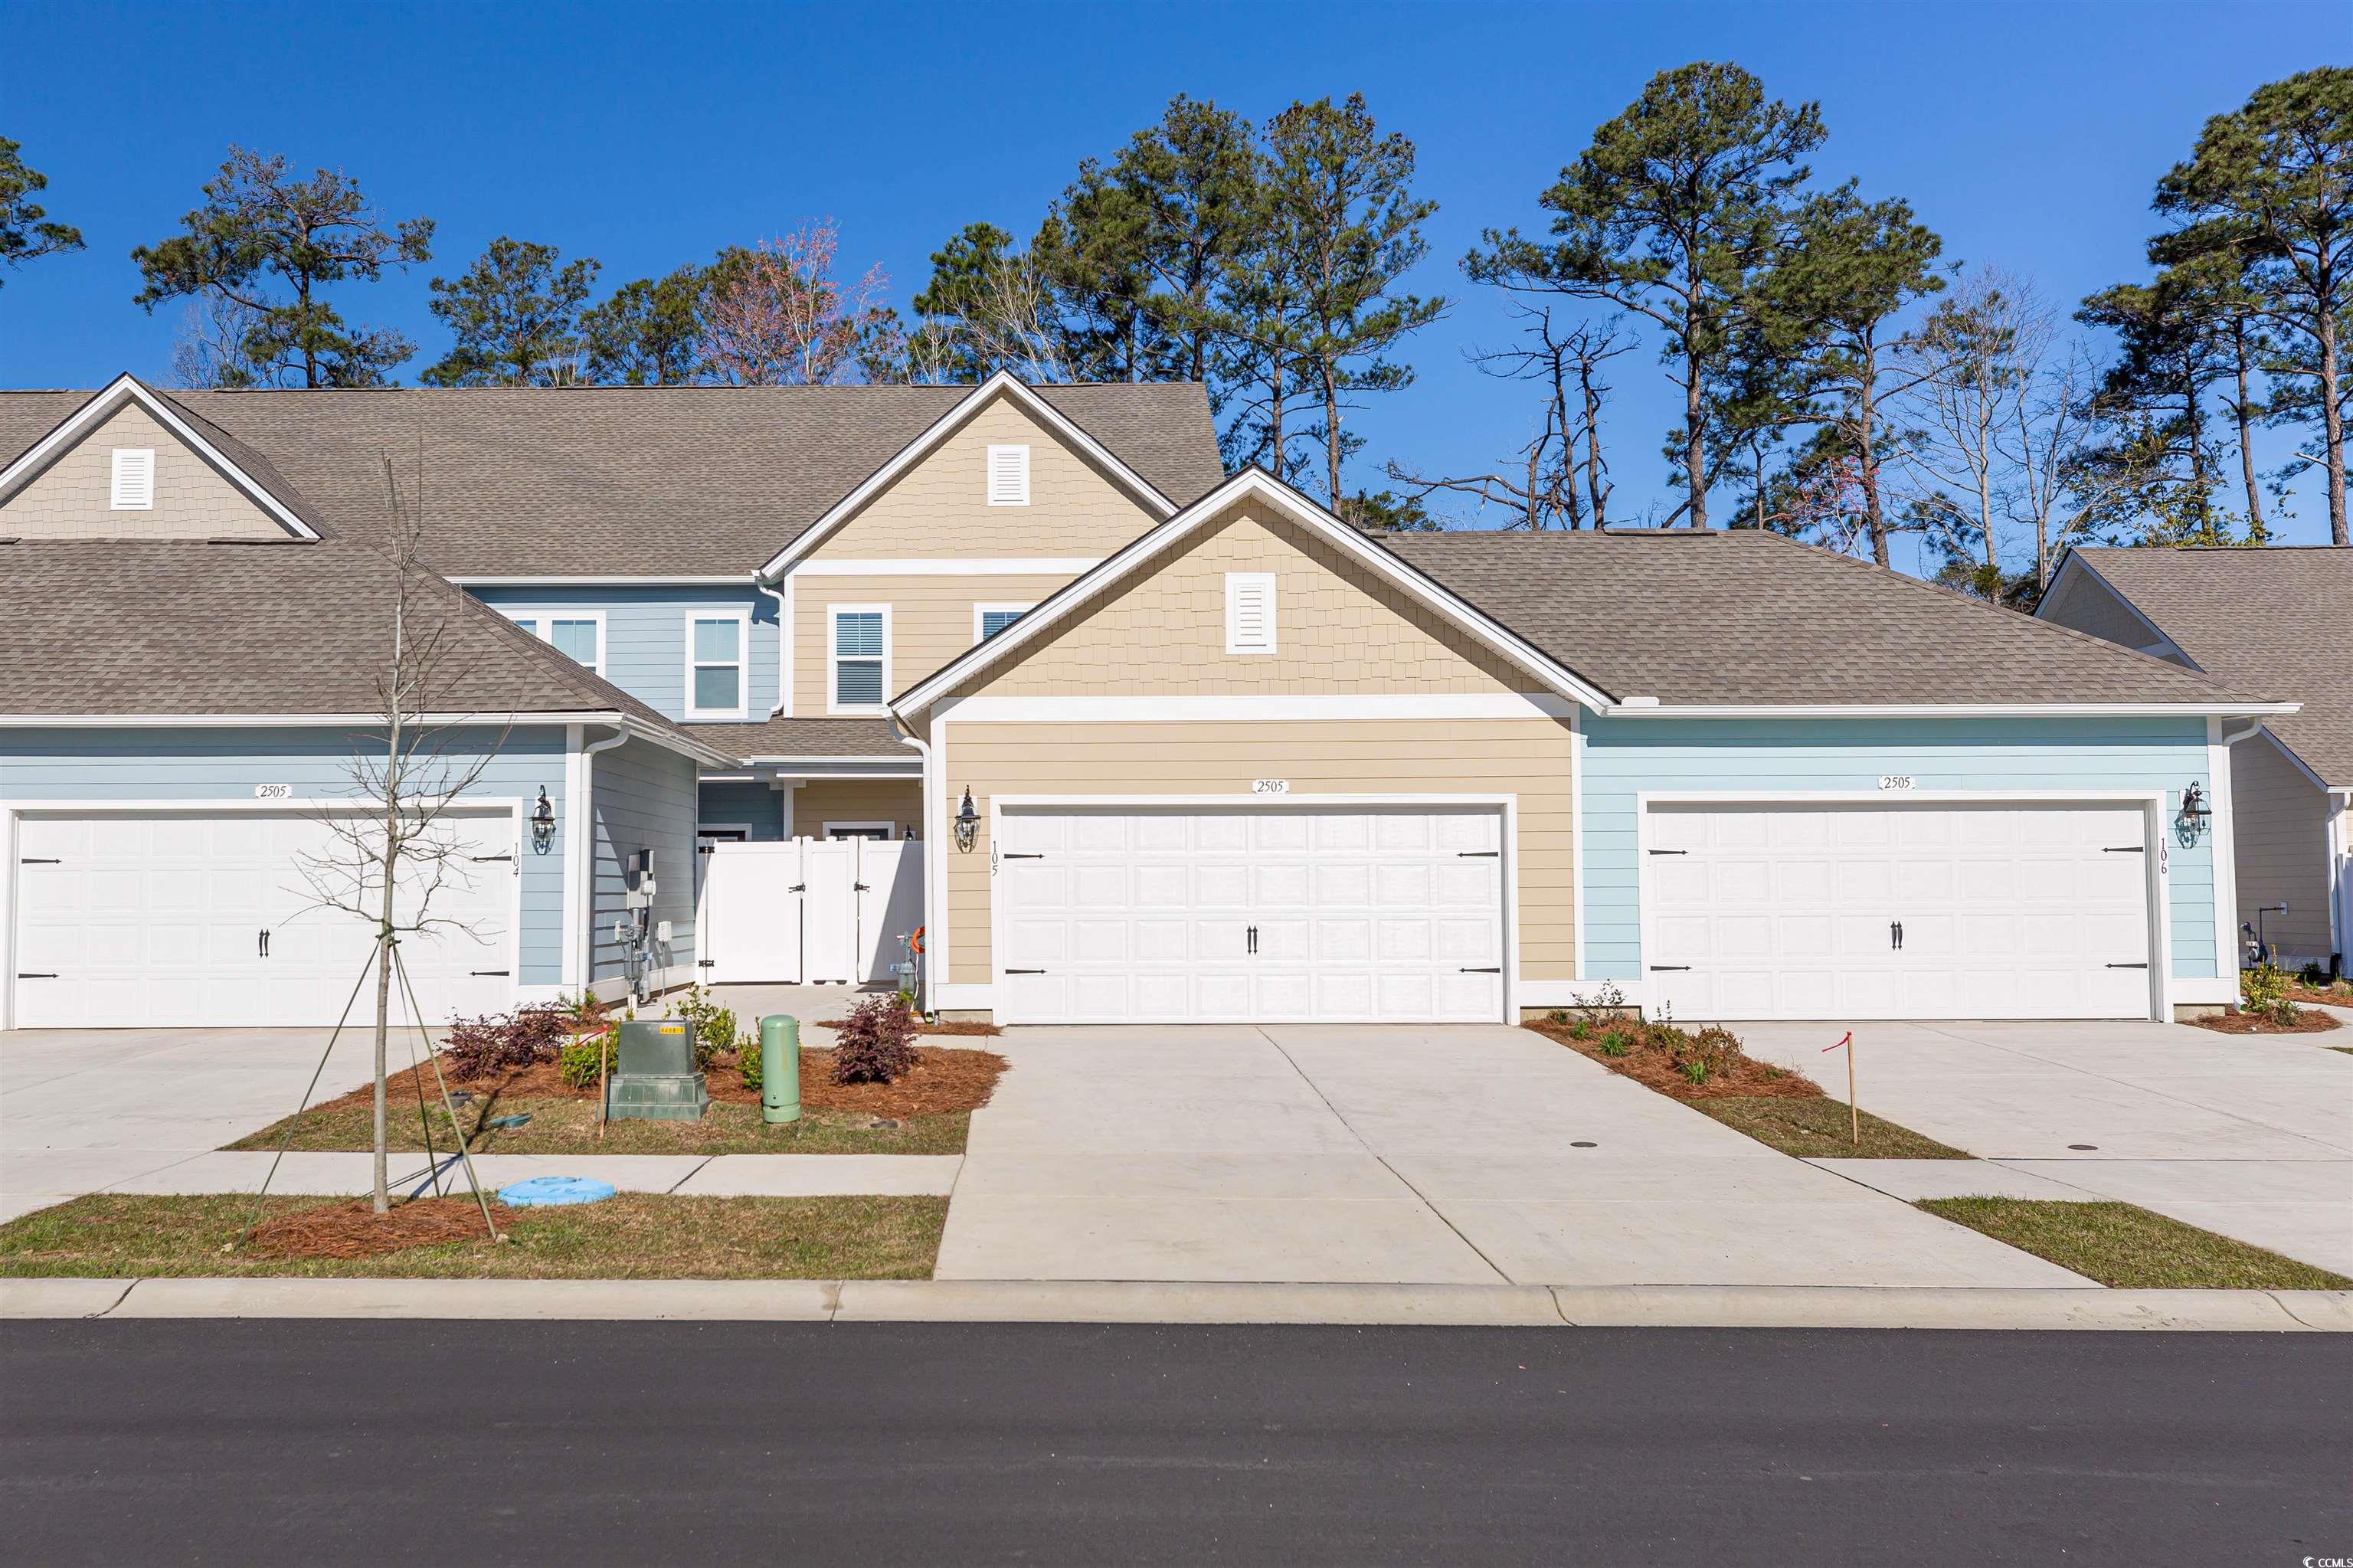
<point x="73" y="497"/>
<point x="940" y="508"/>
<point x="2279" y="818"/>
<point x="1339" y="630"/>
<point x="899" y="801"/>
<point x="931" y="623"/>
<point x="1529" y="759"/>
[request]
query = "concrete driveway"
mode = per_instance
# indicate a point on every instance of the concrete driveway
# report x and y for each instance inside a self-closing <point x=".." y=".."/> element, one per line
<point x="1446" y="1155"/>
<point x="84" y="1109"/>
<point x="2250" y="1136"/>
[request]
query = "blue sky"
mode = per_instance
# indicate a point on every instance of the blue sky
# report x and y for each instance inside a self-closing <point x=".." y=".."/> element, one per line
<point x="647" y="135"/>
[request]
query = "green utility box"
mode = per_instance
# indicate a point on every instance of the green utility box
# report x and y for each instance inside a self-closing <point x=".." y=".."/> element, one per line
<point x="655" y="1077"/>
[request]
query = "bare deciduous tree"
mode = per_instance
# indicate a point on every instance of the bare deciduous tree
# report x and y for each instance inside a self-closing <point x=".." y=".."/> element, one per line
<point x="1971" y="364"/>
<point x="775" y="315"/>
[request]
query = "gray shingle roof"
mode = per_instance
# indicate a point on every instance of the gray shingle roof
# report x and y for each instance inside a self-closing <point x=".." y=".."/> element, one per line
<point x="842" y="738"/>
<point x="2279" y="620"/>
<point x="112" y="627"/>
<point x="654" y="481"/>
<point x="1745" y="616"/>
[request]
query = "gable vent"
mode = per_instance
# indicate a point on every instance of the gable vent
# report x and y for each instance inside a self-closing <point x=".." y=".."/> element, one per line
<point x="134" y="479"/>
<point x="1009" y="476"/>
<point x="1250" y="612"/>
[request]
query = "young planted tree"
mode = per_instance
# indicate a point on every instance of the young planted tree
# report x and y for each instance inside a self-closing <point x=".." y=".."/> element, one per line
<point x="516" y="316"/>
<point x="273" y="244"/>
<point x="1671" y="214"/>
<point x="777" y="315"/>
<point x="647" y="334"/>
<point x="27" y="230"/>
<point x="2273" y="181"/>
<point x="1346" y="229"/>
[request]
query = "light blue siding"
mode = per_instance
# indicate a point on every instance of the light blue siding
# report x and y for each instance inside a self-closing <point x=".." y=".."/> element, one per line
<point x="644" y="798"/>
<point x="1624" y="758"/>
<point x="198" y="764"/>
<point x="646" y="635"/>
<point x="753" y="805"/>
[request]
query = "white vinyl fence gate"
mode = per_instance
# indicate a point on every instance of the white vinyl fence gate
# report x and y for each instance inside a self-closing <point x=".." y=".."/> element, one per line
<point x="806" y="910"/>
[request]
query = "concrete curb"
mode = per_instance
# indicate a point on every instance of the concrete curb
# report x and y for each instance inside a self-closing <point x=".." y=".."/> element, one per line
<point x="1146" y="1301"/>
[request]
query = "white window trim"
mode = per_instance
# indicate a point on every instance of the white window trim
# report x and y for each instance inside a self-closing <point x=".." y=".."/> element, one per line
<point x="535" y="622"/>
<point x="1235" y="583"/>
<point x="989" y="474"/>
<point x="889" y="829"/>
<point x="980" y="610"/>
<point x="115" y="503"/>
<point x="833" y="704"/>
<point x="742" y="616"/>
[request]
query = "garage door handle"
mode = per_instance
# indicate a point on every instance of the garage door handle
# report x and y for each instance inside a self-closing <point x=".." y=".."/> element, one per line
<point x="485" y="857"/>
<point x="2127" y="965"/>
<point x="1009" y="854"/>
<point x="1656" y="968"/>
<point x="1025" y="971"/>
<point x="1670" y="852"/>
<point x="261" y="944"/>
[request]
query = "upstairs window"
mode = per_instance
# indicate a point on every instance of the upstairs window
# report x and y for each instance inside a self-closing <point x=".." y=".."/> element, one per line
<point x="988" y="620"/>
<point x="1009" y="476"/>
<point x="1250" y="612"/>
<point x="715" y="664"/>
<point x="578" y="635"/>
<point x="860" y="658"/>
<point x="134" y="479"/>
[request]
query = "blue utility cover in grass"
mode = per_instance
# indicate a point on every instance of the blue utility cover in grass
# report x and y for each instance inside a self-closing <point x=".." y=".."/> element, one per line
<point x="547" y="1191"/>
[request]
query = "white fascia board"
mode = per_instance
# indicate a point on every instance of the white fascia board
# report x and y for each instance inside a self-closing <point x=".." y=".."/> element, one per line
<point x="127" y="387"/>
<point x="618" y="580"/>
<point x="1949" y="710"/>
<point x="699" y="750"/>
<point x="1277" y="708"/>
<point x="908" y="760"/>
<point x="1350" y="542"/>
<point x="946" y="425"/>
<point x="946" y="566"/>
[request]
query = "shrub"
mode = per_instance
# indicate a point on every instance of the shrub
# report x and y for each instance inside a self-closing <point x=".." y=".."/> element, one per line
<point x="1580" y="1030"/>
<point x="1616" y="1043"/>
<point x="1668" y="1038"/>
<point x="876" y="1042"/>
<point x="478" y="1047"/>
<point x="747" y="1063"/>
<point x="2312" y="977"/>
<point x="2264" y="989"/>
<point x="579" y="1065"/>
<point x="1603" y="1004"/>
<point x="1561" y="1015"/>
<point x="714" y="1026"/>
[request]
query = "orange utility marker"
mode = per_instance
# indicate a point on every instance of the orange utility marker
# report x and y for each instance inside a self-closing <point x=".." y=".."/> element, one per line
<point x="1853" y="1112"/>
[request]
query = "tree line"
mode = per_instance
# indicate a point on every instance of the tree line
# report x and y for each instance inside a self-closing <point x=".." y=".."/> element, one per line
<point x="1838" y="377"/>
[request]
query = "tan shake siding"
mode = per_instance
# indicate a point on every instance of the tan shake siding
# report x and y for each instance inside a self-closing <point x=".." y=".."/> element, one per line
<point x="1338" y="629"/>
<point x="931" y="622"/>
<point x="2279" y="818"/>
<point x="940" y="508"/>
<point x="898" y="802"/>
<point x="1530" y="759"/>
<point x="73" y="497"/>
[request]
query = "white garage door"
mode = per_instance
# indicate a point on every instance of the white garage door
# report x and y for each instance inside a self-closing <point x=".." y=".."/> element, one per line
<point x="1930" y="911"/>
<point x="1249" y="913"/>
<point x="180" y="919"/>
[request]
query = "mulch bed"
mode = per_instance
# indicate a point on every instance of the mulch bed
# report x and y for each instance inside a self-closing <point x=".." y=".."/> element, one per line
<point x="354" y="1229"/>
<point x="1647" y="1065"/>
<point x="2325" y="998"/>
<point x="2308" y="1022"/>
<point x="942" y="1081"/>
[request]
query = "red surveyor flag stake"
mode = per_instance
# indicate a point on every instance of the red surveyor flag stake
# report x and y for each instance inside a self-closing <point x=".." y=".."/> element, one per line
<point x="1853" y="1111"/>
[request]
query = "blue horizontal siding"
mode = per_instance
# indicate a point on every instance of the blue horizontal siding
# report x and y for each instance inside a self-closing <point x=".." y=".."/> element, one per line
<point x="1625" y="757"/>
<point x="757" y="805"/>
<point x="195" y="765"/>
<point x="644" y="798"/>
<point x="645" y="635"/>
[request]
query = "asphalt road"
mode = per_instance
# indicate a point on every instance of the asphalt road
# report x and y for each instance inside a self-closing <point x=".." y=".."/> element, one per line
<point x="332" y="1442"/>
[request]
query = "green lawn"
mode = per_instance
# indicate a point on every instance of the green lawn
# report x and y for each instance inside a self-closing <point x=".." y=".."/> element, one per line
<point x="569" y="1127"/>
<point x="633" y="1236"/>
<point x="1819" y="1128"/>
<point x="2127" y="1246"/>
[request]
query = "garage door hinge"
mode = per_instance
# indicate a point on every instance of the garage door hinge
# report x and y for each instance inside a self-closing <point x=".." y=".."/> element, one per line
<point x="481" y="973"/>
<point x="705" y="963"/>
<point x="1478" y="854"/>
<point x="1490" y="970"/>
<point x="797" y="887"/>
<point x="1670" y="852"/>
<point x="29" y="861"/>
<point x="1009" y="854"/>
<point x="2125" y="849"/>
<point x="1656" y="968"/>
<point x="1025" y="971"/>
<point x="22" y="975"/>
<point x="488" y="857"/>
<point x="2127" y="965"/>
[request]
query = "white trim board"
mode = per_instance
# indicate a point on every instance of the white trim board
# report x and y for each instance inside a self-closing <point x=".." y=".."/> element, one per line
<point x="944" y="567"/>
<point x="1273" y="707"/>
<point x="1251" y="482"/>
<point x="833" y="657"/>
<point x="1002" y="384"/>
<point x="128" y="388"/>
<point x="741" y="616"/>
<point x="738" y="579"/>
<point x="1645" y="710"/>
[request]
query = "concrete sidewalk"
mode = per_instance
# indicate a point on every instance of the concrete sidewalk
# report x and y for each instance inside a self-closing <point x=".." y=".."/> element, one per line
<point x="1095" y="1301"/>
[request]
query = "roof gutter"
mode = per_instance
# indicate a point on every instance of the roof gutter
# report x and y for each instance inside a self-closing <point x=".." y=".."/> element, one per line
<point x="629" y="725"/>
<point x="1650" y="707"/>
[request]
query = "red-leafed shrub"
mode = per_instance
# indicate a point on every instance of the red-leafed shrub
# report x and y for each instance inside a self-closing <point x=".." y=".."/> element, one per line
<point x="876" y="1044"/>
<point x="478" y="1047"/>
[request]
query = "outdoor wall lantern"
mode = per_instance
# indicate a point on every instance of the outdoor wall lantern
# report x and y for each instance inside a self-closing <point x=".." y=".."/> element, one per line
<point x="967" y="822"/>
<point x="542" y="821"/>
<point x="2191" y="818"/>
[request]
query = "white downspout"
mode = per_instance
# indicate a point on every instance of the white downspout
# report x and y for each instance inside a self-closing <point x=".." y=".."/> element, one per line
<point x="2340" y="871"/>
<point x="933" y="853"/>
<point x="584" y="855"/>
<point x="783" y="646"/>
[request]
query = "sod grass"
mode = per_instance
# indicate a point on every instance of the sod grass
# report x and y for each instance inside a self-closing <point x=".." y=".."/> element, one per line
<point x="2130" y="1247"/>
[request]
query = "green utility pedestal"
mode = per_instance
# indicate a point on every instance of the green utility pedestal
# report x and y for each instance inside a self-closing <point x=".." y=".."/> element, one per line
<point x="657" y="1080"/>
<point x="780" y="1067"/>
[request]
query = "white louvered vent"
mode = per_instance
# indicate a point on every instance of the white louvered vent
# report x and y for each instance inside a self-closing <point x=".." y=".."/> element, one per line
<point x="1009" y="476"/>
<point x="134" y="479"/>
<point x="1250" y="612"/>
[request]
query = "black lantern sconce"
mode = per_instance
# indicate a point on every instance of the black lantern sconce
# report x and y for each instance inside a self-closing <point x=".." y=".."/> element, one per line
<point x="967" y="822"/>
<point x="2192" y="817"/>
<point x="542" y="821"/>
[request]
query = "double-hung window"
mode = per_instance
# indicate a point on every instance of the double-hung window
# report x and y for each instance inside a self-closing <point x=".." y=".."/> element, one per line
<point x="988" y="620"/>
<point x="716" y="660"/>
<point x="858" y="667"/>
<point x="578" y="635"/>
